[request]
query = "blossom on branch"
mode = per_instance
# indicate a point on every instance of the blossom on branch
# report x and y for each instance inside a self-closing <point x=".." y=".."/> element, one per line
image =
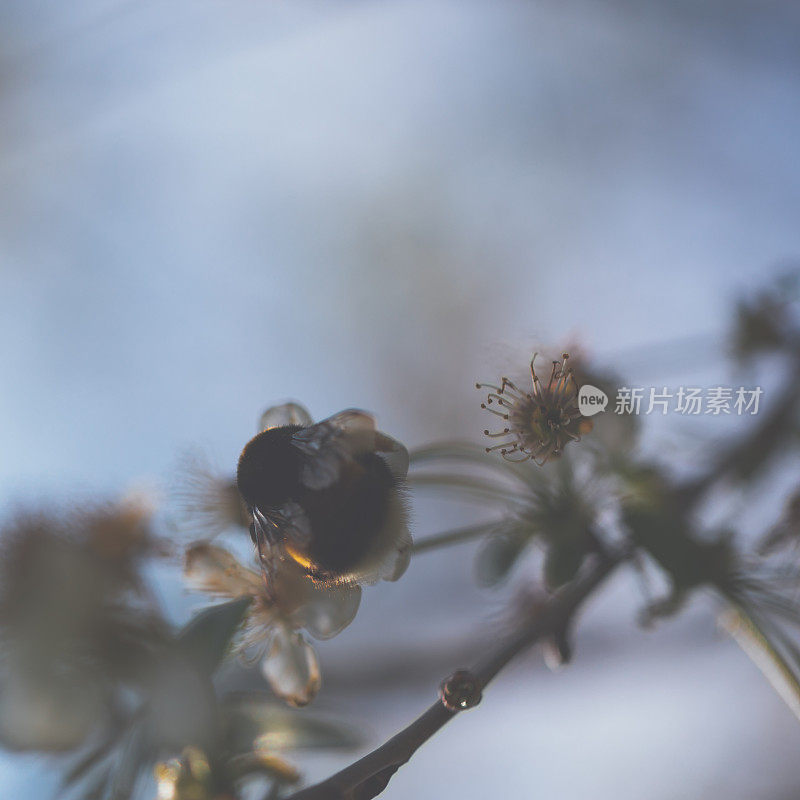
<point x="540" y="423"/>
<point x="285" y="603"/>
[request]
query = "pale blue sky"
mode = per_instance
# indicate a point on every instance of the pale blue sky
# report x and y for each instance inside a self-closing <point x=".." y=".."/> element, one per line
<point x="207" y="207"/>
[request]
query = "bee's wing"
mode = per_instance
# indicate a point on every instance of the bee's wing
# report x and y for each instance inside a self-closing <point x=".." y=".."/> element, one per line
<point x="285" y="414"/>
<point x="332" y="442"/>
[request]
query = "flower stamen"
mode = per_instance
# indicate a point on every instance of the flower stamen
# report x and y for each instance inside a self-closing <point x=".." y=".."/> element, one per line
<point x="543" y="421"/>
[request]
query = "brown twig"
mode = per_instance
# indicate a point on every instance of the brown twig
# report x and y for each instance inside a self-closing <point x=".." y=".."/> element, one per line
<point x="369" y="776"/>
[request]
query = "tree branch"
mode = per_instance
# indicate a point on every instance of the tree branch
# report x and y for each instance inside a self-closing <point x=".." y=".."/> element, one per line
<point x="369" y="776"/>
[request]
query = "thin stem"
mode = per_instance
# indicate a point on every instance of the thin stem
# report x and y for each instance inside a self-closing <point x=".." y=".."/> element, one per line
<point x="473" y="486"/>
<point x="762" y="651"/>
<point x="369" y="776"/>
<point x="464" y="451"/>
<point x="458" y="535"/>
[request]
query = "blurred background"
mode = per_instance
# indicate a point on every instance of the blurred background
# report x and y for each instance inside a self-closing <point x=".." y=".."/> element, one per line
<point x="208" y="207"/>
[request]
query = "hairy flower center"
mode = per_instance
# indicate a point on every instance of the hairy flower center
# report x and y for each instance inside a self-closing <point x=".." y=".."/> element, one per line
<point x="553" y="417"/>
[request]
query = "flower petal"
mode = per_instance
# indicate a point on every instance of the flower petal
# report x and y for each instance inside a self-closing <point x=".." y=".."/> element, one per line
<point x="328" y="610"/>
<point x="215" y="570"/>
<point x="322" y="609"/>
<point x="291" y="667"/>
<point x="285" y="414"/>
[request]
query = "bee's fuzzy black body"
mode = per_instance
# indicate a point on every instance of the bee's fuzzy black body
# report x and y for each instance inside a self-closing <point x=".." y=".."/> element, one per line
<point x="345" y="517"/>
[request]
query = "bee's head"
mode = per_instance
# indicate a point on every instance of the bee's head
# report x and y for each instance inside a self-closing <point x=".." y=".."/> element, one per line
<point x="269" y="468"/>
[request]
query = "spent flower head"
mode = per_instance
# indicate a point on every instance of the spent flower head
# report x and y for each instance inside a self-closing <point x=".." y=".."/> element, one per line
<point x="540" y="423"/>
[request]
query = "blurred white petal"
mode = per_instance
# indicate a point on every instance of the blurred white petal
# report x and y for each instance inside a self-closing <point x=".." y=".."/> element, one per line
<point x="291" y="667"/>
<point x="214" y="570"/>
<point x="328" y="610"/>
<point x="285" y="414"/>
<point x="322" y="609"/>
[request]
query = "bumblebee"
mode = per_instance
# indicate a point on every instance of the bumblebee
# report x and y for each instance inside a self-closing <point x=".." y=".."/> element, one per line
<point x="328" y="495"/>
